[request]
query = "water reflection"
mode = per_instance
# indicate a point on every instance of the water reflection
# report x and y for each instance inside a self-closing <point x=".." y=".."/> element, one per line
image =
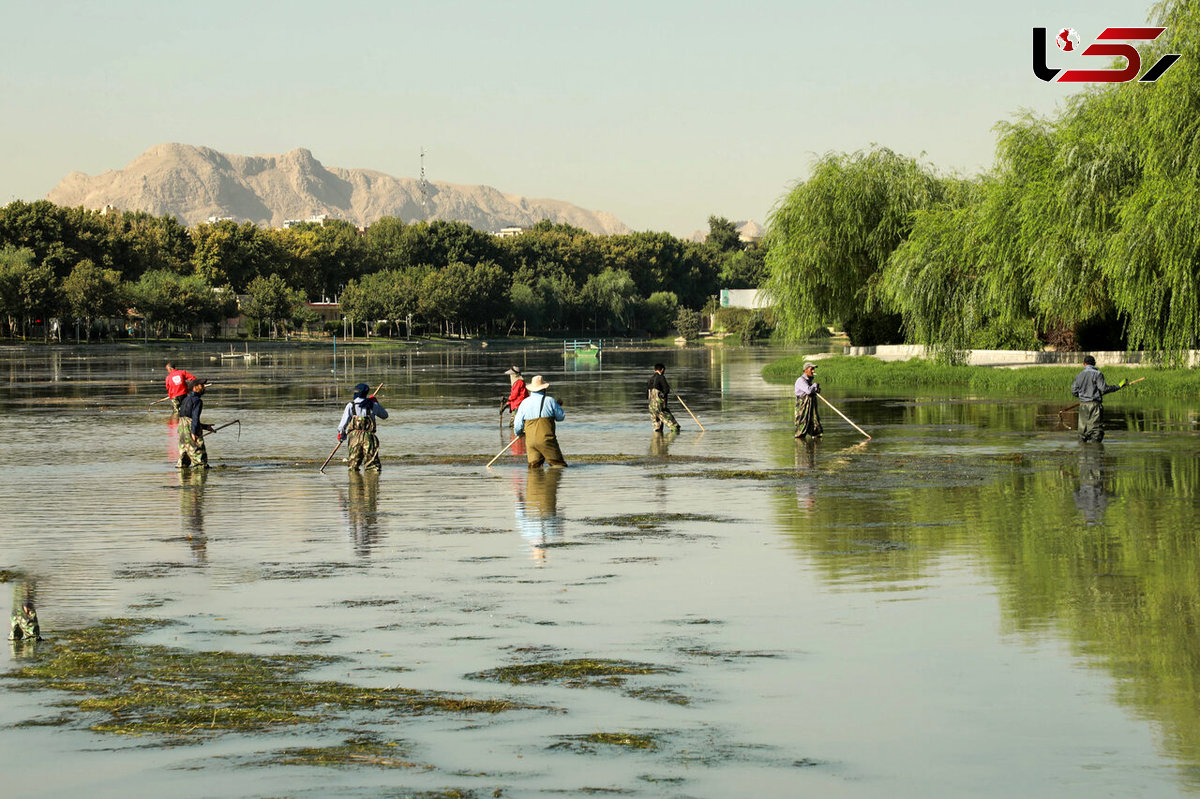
<point x="536" y="507"/>
<point x="660" y="443"/>
<point x="191" y="511"/>
<point x="360" y="509"/>
<point x="173" y="438"/>
<point x="806" y="474"/>
<point x="1091" y="497"/>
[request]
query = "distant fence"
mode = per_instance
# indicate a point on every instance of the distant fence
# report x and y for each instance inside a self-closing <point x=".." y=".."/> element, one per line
<point x="583" y="345"/>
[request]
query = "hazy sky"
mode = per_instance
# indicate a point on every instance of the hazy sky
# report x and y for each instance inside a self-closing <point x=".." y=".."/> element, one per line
<point x="659" y="112"/>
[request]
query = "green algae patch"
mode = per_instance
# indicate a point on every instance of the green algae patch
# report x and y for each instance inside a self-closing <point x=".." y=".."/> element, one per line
<point x="128" y="688"/>
<point x="353" y="752"/>
<point x="741" y="474"/>
<point x="651" y="521"/>
<point x="594" y="742"/>
<point x="586" y="673"/>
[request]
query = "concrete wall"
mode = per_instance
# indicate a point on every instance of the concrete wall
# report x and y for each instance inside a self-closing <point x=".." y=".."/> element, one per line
<point x="904" y="352"/>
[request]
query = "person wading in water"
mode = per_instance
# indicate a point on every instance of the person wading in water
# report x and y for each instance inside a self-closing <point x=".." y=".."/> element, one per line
<point x="808" y="420"/>
<point x="192" y="451"/>
<point x="535" y="419"/>
<point x="1090" y="388"/>
<point x="358" y="424"/>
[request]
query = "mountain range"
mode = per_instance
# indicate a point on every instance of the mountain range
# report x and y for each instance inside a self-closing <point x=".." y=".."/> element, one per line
<point x="198" y="184"/>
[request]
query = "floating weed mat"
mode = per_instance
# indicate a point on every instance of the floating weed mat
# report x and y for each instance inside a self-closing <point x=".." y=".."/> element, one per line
<point x="127" y="688"/>
<point x="651" y="521"/>
<point x="596" y="741"/>
<point x="587" y="673"/>
<point x="363" y="750"/>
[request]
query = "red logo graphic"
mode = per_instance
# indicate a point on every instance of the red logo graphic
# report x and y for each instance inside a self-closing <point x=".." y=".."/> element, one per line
<point x="1068" y="42"/>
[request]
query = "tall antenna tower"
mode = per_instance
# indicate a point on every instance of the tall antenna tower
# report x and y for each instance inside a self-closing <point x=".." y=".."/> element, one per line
<point x="426" y="189"/>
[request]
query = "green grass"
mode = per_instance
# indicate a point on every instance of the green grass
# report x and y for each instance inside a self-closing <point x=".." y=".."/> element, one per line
<point x="868" y="372"/>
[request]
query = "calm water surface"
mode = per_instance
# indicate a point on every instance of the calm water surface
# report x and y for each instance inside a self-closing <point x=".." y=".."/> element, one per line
<point x="969" y="604"/>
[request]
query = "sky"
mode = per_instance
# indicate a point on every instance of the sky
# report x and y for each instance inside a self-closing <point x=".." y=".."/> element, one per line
<point x="660" y="112"/>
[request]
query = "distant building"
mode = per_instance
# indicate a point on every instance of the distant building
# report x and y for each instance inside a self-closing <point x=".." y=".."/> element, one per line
<point x="317" y="219"/>
<point x="745" y="298"/>
<point x="507" y="232"/>
<point x="214" y="219"/>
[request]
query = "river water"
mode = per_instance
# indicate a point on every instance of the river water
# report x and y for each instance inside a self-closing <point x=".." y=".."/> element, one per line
<point x="969" y="604"/>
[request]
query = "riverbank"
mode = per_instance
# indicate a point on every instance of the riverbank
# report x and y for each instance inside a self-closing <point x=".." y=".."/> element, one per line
<point x="862" y="371"/>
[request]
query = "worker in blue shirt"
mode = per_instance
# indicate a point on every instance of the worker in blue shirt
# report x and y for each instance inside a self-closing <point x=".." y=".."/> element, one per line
<point x="535" y="419"/>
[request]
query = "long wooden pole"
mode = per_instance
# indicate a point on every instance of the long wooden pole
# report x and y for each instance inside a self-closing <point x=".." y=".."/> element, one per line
<point x="1076" y="405"/>
<point x="327" y="460"/>
<point x="501" y="452"/>
<point x="689" y="410"/>
<point x="339" y="444"/>
<point x="164" y="399"/>
<point x="844" y="416"/>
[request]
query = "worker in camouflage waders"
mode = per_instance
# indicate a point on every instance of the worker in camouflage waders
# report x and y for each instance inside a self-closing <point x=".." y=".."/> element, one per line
<point x="658" y="390"/>
<point x="358" y="425"/>
<point x="1090" y="388"/>
<point x="191" y="430"/>
<point x="535" y="419"/>
<point x="808" y="420"/>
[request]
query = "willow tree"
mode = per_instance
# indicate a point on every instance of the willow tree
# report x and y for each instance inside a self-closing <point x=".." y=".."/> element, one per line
<point x="833" y="233"/>
<point x="1152" y="261"/>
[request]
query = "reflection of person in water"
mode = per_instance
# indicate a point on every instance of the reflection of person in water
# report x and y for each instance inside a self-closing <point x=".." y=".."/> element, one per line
<point x="660" y="443"/>
<point x="191" y="511"/>
<point x="806" y="474"/>
<point x="537" y="510"/>
<point x="1091" y="499"/>
<point x="362" y="516"/>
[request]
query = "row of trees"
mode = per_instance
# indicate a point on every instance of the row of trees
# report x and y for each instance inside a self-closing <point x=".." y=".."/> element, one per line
<point x="1082" y="236"/>
<point x="57" y="261"/>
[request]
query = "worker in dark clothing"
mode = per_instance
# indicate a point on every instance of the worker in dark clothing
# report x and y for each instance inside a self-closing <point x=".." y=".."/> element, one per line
<point x="191" y="429"/>
<point x="657" y="391"/>
<point x="1090" y="388"/>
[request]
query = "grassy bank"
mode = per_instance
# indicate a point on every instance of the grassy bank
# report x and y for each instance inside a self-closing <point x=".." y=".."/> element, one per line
<point x="867" y="372"/>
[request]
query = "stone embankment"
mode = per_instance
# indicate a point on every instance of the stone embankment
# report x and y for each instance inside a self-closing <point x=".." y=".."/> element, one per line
<point x="1012" y="358"/>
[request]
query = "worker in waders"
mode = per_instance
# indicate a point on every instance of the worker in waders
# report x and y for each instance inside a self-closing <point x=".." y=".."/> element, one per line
<point x="1090" y="388"/>
<point x="192" y="451"/>
<point x="806" y="416"/>
<point x="177" y="385"/>
<point x="358" y="424"/>
<point x="657" y="391"/>
<point x="535" y="419"/>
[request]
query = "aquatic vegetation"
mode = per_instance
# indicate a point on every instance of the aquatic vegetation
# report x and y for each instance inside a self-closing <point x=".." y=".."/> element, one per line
<point x="586" y="673"/>
<point x="12" y="575"/>
<point x="358" y="751"/>
<point x="651" y="521"/>
<point x="129" y="688"/>
<point x="588" y="744"/>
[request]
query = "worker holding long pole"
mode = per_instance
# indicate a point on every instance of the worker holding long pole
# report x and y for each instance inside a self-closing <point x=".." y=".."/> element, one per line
<point x="358" y="426"/>
<point x="1090" y="387"/>
<point x="806" y="415"/>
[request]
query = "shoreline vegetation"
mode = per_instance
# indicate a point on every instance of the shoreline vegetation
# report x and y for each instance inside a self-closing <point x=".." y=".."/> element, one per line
<point x="864" y="371"/>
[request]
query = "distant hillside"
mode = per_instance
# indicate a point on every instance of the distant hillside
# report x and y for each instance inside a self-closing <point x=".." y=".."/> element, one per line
<point x="196" y="183"/>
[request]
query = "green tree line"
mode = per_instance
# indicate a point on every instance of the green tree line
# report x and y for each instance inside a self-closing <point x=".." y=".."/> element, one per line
<point x="1082" y="236"/>
<point x="443" y="277"/>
